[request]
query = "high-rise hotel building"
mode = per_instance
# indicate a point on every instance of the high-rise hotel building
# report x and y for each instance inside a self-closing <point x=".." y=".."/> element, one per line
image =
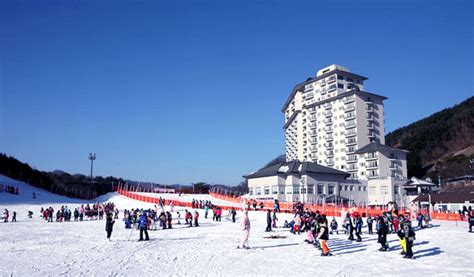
<point x="331" y="120"/>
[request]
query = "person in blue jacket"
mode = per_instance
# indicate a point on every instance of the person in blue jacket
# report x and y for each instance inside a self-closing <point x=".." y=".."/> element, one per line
<point x="142" y="224"/>
<point x="358" y="227"/>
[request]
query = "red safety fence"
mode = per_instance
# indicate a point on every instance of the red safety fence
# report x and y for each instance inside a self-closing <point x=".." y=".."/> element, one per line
<point x="329" y="210"/>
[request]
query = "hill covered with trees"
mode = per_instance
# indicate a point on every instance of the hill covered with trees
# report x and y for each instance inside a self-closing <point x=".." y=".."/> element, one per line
<point x="441" y="144"/>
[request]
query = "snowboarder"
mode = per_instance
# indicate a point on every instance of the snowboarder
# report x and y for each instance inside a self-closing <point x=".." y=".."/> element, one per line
<point x="109" y="225"/>
<point x="142" y="224"/>
<point x="245" y="223"/>
<point x="269" y="221"/>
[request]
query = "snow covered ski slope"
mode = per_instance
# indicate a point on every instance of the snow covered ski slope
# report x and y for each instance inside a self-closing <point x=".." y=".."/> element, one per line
<point x="32" y="247"/>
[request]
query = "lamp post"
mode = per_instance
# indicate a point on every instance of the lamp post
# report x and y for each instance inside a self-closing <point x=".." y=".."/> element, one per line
<point x="92" y="158"/>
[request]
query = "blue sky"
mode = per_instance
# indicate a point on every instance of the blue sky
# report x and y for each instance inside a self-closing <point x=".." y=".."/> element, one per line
<point x="187" y="91"/>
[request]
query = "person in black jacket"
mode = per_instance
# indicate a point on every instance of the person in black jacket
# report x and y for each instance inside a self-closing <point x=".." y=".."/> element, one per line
<point x="233" y="213"/>
<point x="350" y="227"/>
<point x="269" y="221"/>
<point x="109" y="225"/>
<point x="382" y="233"/>
<point x="409" y="234"/>
<point x="471" y="219"/>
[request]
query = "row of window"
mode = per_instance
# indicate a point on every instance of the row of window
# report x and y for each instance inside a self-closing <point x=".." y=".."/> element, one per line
<point x="309" y="189"/>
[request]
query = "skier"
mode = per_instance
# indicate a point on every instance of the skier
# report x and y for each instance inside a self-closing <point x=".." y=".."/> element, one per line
<point x="196" y="219"/>
<point x="186" y="216"/>
<point x="245" y="223"/>
<point x="334" y="226"/>
<point x="269" y="221"/>
<point x="14" y="217"/>
<point x="109" y="225"/>
<point x="409" y="238"/>
<point x="427" y="219"/>
<point x="179" y="218"/>
<point x="369" y="224"/>
<point x="401" y="235"/>
<point x="30" y="214"/>
<point x="206" y="211"/>
<point x="323" y="236"/>
<point x="297" y="224"/>
<point x="190" y="216"/>
<point x="142" y="224"/>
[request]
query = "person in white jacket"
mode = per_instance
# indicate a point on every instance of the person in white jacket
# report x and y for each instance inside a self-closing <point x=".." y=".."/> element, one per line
<point x="245" y="223"/>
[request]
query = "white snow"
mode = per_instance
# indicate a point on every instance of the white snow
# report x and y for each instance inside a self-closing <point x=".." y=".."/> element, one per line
<point x="32" y="247"/>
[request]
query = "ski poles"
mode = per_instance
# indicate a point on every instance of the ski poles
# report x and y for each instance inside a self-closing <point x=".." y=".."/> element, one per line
<point x="131" y="231"/>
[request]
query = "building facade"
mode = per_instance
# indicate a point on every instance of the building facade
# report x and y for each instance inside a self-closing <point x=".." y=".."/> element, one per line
<point x="331" y="120"/>
<point x="306" y="182"/>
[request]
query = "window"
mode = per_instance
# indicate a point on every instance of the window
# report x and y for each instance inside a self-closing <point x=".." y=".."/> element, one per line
<point x="397" y="189"/>
<point x="303" y="190"/>
<point x="352" y="188"/>
<point x="266" y="190"/>
<point x="258" y="191"/>
<point x="251" y="191"/>
<point x="282" y="190"/>
<point x="310" y="189"/>
<point x="383" y="189"/>
<point x="320" y="188"/>
<point x="360" y="188"/>
<point x="340" y="85"/>
<point x="346" y="188"/>
<point x="371" y="190"/>
<point x="340" y="77"/>
<point x="331" y="189"/>
<point x="296" y="190"/>
<point x="289" y="190"/>
<point x="274" y="189"/>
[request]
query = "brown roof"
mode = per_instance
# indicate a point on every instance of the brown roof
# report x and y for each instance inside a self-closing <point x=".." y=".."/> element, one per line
<point x="448" y="197"/>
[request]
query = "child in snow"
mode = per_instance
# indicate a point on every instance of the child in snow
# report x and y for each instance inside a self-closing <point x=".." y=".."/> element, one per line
<point x="323" y="237"/>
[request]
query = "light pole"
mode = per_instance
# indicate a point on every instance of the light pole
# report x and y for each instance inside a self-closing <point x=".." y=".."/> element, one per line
<point x="92" y="158"/>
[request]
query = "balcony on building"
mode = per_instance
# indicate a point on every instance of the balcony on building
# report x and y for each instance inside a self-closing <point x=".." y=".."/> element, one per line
<point x="351" y="141"/>
<point x="313" y="141"/>
<point x="371" y="156"/>
<point x="328" y="130"/>
<point x="313" y="133"/>
<point x="329" y="137"/>
<point x="393" y="166"/>
<point x="349" y="116"/>
<point x="371" y="165"/>
<point x="348" y="108"/>
<point x="312" y="117"/>
<point x="350" y="133"/>
<point x="370" y="117"/>
<point x="370" y="108"/>
<point x="350" y="150"/>
<point x="348" y="99"/>
<point x="329" y="145"/>
<point x="352" y="167"/>
<point x="328" y="113"/>
<point x="327" y="106"/>
<point x="328" y="121"/>
<point x="330" y="162"/>
<point x="349" y="125"/>
<point x="371" y="135"/>
<point x="351" y="159"/>
<point x="329" y="154"/>
<point x="373" y="176"/>
<point x="370" y="126"/>
<point x="312" y="125"/>
<point x="331" y="79"/>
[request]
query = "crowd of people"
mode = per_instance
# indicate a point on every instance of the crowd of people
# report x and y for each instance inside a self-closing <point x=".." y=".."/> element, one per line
<point x="95" y="211"/>
<point x="9" y="189"/>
